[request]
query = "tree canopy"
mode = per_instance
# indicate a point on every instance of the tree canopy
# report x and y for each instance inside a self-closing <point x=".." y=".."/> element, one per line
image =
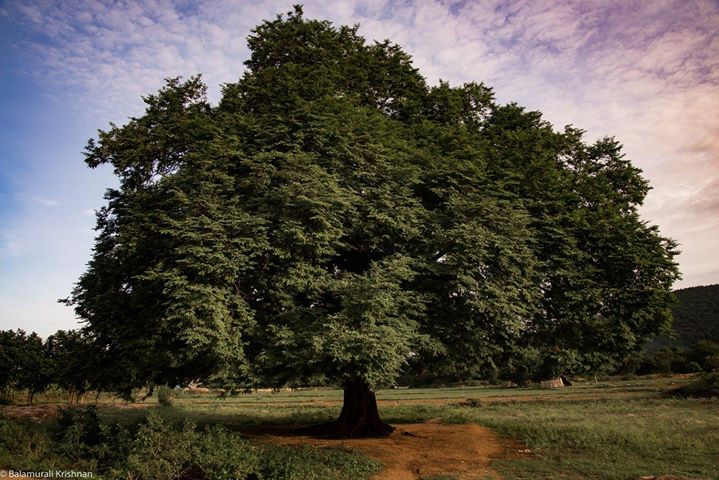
<point x="335" y="217"/>
<point x="24" y="363"/>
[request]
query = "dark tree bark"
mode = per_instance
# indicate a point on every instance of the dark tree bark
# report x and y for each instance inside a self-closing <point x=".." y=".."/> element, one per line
<point x="359" y="416"/>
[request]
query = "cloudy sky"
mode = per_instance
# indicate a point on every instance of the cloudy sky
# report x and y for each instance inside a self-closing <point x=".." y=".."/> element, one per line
<point x="645" y="71"/>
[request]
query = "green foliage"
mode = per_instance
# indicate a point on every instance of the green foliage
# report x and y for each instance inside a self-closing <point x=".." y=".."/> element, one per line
<point x="702" y="356"/>
<point x="68" y="360"/>
<point x="334" y="217"/>
<point x="79" y="426"/>
<point x="159" y="450"/>
<point x="24" y="363"/>
<point x="165" y="395"/>
<point x="81" y="437"/>
<point x="707" y="385"/>
<point x="162" y="452"/>
<point x="79" y="362"/>
<point x="26" y="445"/>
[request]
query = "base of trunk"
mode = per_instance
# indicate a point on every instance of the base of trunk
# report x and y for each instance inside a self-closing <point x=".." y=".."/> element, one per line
<point x="359" y="416"/>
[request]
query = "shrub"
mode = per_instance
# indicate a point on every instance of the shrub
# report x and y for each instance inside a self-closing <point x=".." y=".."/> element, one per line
<point x="158" y="450"/>
<point x="706" y="385"/>
<point x="165" y="395"/>
<point x="711" y="364"/>
<point x="20" y="445"/>
<point x="163" y="452"/>
<point x="80" y="435"/>
<point x="78" y="430"/>
<point x="693" y="367"/>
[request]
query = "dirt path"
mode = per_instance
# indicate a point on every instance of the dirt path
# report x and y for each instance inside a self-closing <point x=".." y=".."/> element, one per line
<point x="35" y="412"/>
<point x="45" y="411"/>
<point x="417" y="450"/>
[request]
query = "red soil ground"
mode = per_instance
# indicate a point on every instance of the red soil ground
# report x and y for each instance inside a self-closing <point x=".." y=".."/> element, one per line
<point x="414" y="451"/>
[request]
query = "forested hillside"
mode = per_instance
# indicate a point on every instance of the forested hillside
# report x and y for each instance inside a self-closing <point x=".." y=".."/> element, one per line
<point x="696" y="314"/>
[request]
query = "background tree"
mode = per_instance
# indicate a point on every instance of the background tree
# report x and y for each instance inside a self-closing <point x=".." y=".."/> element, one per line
<point x="8" y="355"/>
<point x="75" y="363"/>
<point x="334" y="216"/>
<point x="36" y="368"/>
<point x="24" y="364"/>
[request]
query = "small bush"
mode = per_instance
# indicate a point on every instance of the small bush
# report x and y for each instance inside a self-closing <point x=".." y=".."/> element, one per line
<point x="80" y="436"/>
<point x="21" y="445"/>
<point x="693" y="367"/>
<point x="706" y="385"/>
<point x="165" y="395"/>
<point x="77" y="430"/>
<point x="163" y="452"/>
<point x="711" y="363"/>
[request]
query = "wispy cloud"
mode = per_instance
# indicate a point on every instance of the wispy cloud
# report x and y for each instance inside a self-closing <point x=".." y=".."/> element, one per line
<point x="45" y="201"/>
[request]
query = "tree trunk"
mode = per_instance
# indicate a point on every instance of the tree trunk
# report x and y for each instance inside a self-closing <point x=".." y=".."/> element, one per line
<point x="30" y="396"/>
<point x="359" y="416"/>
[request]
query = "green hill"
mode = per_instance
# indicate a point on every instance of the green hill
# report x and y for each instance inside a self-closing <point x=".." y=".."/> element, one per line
<point x="696" y="315"/>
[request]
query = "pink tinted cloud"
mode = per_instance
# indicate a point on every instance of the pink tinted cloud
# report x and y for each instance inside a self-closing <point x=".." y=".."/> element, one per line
<point x="646" y="72"/>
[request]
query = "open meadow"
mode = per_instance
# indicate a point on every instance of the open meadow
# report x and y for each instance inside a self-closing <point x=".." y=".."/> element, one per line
<point x="614" y="429"/>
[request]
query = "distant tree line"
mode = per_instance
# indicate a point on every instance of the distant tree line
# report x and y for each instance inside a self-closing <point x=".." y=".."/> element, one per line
<point x="531" y="365"/>
<point x="702" y="356"/>
<point x="67" y="359"/>
<point x="70" y="361"/>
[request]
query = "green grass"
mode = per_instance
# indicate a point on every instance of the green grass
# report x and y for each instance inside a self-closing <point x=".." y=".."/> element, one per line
<point x="614" y="430"/>
<point x="617" y="439"/>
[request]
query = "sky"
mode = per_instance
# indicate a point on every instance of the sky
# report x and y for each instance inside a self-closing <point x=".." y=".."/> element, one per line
<point x="646" y="72"/>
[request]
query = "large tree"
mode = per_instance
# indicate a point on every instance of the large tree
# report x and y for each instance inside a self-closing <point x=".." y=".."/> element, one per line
<point x="334" y="216"/>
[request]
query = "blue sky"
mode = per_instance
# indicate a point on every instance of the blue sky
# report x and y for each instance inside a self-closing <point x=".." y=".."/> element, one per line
<point x="644" y="71"/>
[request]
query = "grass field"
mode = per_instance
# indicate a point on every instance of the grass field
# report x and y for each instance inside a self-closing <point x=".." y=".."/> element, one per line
<point x="592" y="430"/>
